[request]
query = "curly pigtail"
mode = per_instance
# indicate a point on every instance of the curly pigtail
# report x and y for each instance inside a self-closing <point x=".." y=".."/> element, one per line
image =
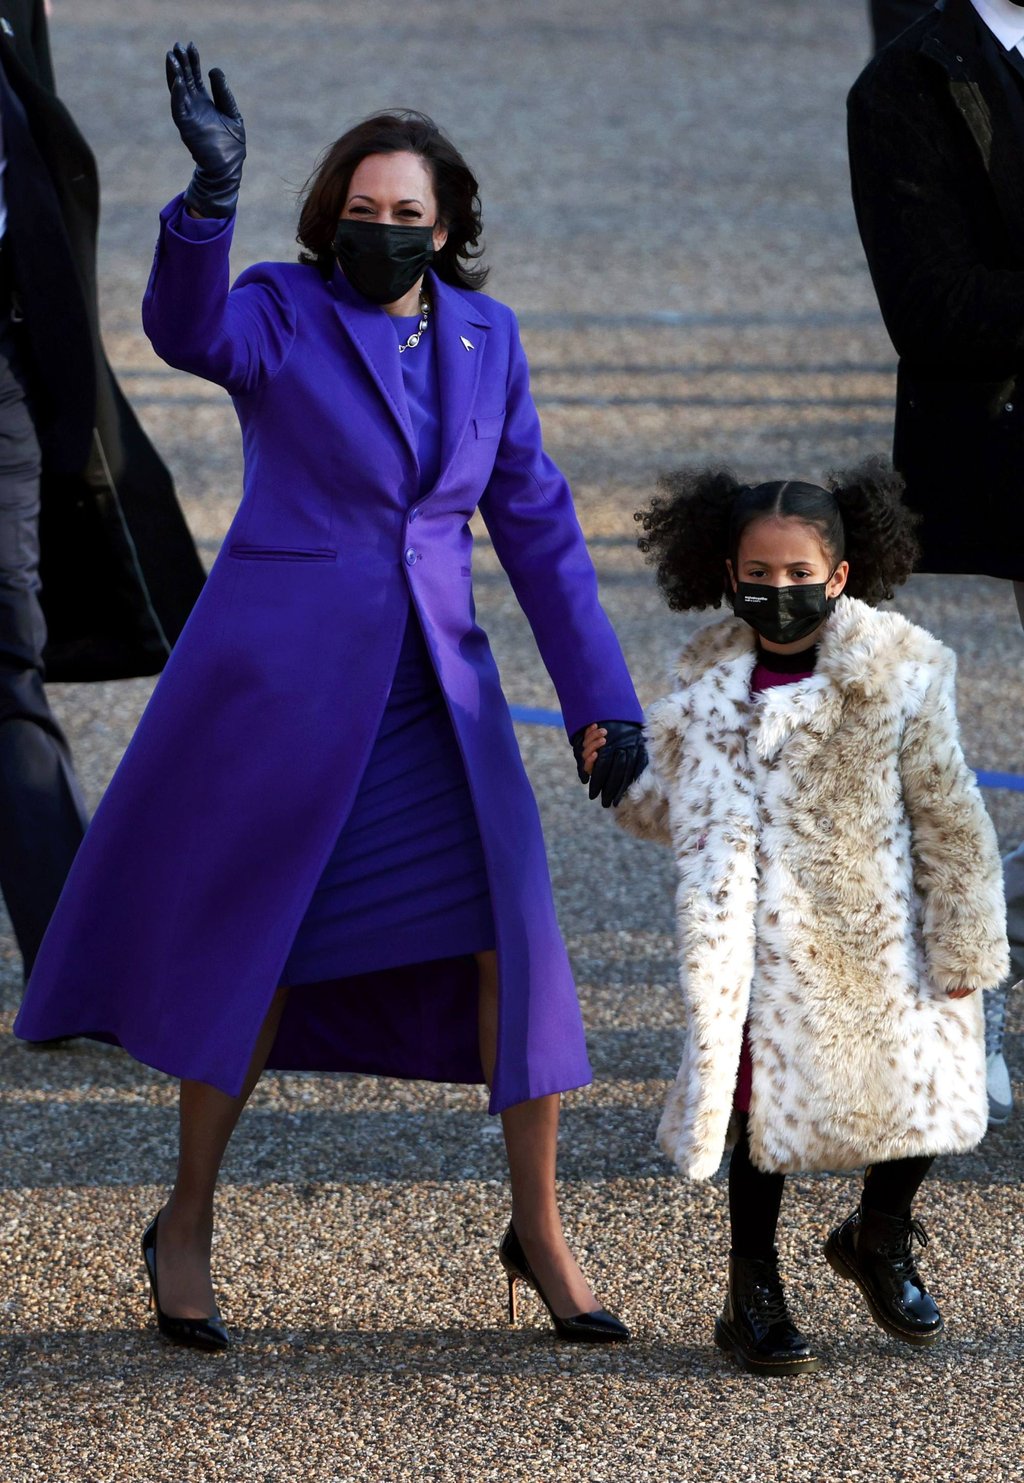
<point x="879" y="528"/>
<point x="686" y="535"/>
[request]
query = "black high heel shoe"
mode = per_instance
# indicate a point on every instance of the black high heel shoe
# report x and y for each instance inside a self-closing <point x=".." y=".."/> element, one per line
<point x="599" y="1327"/>
<point x="194" y="1333"/>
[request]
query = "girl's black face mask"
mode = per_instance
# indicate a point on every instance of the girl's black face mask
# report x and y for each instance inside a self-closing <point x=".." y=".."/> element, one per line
<point x="783" y="615"/>
<point x="382" y="262"/>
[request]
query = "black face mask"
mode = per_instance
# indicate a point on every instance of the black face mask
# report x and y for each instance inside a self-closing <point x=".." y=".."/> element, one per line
<point x="382" y="262"/>
<point x="783" y="615"/>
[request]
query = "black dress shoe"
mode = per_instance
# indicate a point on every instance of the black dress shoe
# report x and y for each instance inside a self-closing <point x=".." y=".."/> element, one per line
<point x="755" y="1325"/>
<point x="599" y="1327"/>
<point x="194" y="1333"/>
<point x="876" y="1251"/>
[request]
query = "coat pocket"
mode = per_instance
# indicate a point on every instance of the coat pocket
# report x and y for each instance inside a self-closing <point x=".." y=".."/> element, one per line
<point x="281" y="553"/>
<point x="489" y="427"/>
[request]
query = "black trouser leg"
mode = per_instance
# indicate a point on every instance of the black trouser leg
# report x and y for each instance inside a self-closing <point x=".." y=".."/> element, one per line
<point x="890" y="1188"/>
<point x="42" y="826"/>
<point x="42" y="817"/>
<point x="755" y="1199"/>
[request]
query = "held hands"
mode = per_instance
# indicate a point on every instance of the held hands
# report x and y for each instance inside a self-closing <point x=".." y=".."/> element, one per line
<point x="611" y="755"/>
<point x="212" y="130"/>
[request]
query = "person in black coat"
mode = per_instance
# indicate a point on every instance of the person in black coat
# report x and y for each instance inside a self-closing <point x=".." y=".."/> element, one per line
<point x="97" y="569"/>
<point x="936" y="136"/>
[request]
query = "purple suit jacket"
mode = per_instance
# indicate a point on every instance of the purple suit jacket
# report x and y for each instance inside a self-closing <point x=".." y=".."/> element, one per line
<point x="185" y="898"/>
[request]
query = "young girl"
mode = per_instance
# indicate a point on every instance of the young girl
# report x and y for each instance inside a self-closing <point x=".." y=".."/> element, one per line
<point x="840" y="893"/>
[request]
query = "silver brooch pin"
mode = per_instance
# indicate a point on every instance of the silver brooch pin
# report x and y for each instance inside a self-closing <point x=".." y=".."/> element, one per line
<point x="468" y="343"/>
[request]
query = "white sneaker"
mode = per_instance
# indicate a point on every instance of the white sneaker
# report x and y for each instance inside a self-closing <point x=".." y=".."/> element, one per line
<point x="1000" y="1092"/>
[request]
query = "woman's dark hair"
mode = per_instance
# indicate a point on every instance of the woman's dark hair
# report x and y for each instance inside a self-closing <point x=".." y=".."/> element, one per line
<point x="698" y="520"/>
<point x="458" y="205"/>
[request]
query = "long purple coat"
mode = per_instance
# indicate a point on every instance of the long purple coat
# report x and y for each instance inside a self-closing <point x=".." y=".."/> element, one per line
<point x="184" y="900"/>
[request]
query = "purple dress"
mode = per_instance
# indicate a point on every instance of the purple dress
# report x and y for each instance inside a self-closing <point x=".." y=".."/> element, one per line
<point x="407" y="881"/>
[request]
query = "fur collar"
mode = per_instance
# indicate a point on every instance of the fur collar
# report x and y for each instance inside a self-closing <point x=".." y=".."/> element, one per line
<point x="880" y="657"/>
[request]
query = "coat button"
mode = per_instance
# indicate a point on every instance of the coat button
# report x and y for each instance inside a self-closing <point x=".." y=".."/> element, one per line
<point x="1008" y="407"/>
<point x="410" y="557"/>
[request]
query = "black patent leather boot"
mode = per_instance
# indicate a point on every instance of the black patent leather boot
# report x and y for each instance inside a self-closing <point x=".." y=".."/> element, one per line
<point x="755" y="1325"/>
<point x="876" y="1251"/>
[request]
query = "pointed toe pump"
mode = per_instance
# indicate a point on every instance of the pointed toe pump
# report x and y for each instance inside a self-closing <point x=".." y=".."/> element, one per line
<point x="193" y="1333"/>
<point x="599" y="1327"/>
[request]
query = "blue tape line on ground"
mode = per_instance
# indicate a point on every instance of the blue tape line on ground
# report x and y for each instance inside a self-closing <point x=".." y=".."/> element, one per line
<point x="531" y="716"/>
<point x="1010" y="780"/>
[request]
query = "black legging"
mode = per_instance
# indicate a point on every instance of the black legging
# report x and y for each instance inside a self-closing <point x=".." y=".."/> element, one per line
<point x="755" y="1197"/>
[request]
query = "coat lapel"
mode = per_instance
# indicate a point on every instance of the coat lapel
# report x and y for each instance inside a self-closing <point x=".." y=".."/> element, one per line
<point x="721" y="702"/>
<point x="366" y="325"/>
<point x="461" y="343"/>
<point x="720" y="699"/>
<point x="847" y="660"/>
<point x="813" y="706"/>
<point x="981" y="101"/>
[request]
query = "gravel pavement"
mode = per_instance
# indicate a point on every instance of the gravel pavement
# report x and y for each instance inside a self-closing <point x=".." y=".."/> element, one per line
<point x="666" y="205"/>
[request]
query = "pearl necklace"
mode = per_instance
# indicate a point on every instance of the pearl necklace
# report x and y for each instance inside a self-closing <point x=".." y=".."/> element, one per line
<point x="420" y="330"/>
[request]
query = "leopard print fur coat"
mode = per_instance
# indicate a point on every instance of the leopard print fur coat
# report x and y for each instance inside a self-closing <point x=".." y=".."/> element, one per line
<point x="837" y="873"/>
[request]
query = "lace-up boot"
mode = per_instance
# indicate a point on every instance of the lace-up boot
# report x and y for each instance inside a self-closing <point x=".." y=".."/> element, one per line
<point x="876" y="1251"/>
<point x="755" y="1325"/>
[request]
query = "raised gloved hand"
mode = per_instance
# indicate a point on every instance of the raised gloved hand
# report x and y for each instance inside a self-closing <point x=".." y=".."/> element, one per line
<point x="621" y="758"/>
<point x="212" y="130"/>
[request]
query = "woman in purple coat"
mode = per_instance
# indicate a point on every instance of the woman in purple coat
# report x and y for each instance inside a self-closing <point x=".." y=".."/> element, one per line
<point x="321" y="849"/>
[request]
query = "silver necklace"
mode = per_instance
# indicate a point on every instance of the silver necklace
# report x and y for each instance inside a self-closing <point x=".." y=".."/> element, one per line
<point x="420" y="330"/>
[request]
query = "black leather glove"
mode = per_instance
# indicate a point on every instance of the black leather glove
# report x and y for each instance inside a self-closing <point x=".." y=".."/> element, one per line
<point x="619" y="762"/>
<point x="212" y="130"/>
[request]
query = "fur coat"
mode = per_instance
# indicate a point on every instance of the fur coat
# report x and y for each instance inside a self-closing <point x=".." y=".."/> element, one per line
<point x="837" y="874"/>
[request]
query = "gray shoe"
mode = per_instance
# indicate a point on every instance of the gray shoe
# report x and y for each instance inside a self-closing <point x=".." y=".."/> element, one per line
<point x="1000" y="1092"/>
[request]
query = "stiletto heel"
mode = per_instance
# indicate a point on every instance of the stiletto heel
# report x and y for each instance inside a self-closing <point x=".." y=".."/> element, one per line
<point x="599" y="1327"/>
<point x="194" y="1333"/>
